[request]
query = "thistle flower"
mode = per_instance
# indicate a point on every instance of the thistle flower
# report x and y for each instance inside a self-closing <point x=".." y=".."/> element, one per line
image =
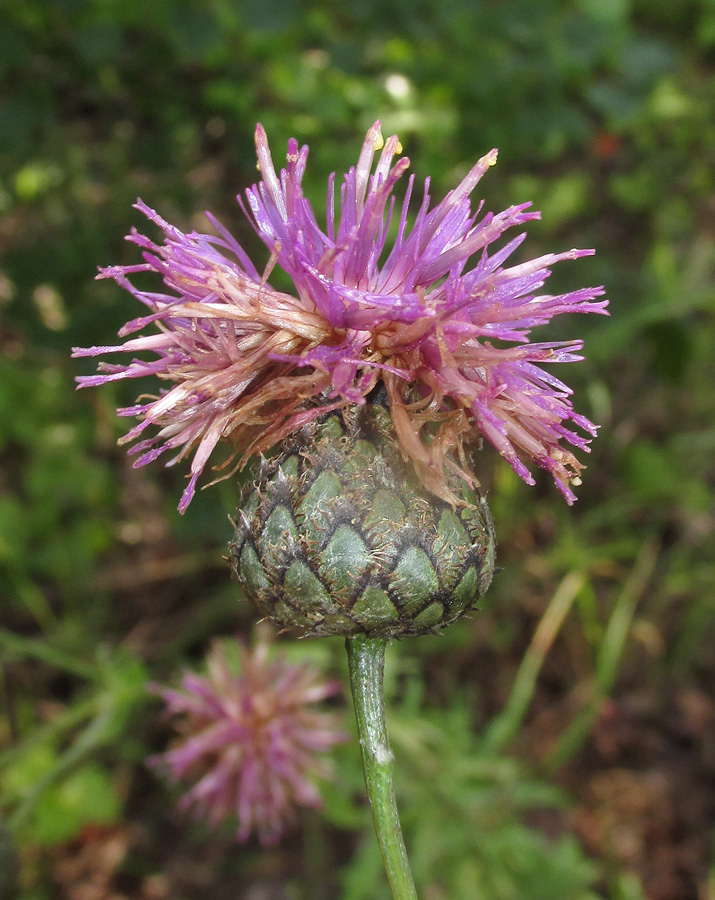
<point x="250" y="741"/>
<point x="250" y="364"/>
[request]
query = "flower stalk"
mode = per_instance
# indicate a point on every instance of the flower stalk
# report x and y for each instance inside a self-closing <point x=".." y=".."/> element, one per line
<point x="366" y="658"/>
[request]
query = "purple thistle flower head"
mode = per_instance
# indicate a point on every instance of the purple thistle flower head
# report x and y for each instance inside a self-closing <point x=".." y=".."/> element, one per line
<point x="251" y="742"/>
<point x="419" y="311"/>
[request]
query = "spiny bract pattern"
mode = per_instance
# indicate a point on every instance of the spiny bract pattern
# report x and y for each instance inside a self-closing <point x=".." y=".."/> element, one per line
<point x="336" y="537"/>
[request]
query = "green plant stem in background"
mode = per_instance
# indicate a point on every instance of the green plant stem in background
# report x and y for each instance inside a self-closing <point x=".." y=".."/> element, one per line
<point x="366" y="657"/>
<point x="609" y="657"/>
<point x="506" y="725"/>
<point x="16" y="645"/>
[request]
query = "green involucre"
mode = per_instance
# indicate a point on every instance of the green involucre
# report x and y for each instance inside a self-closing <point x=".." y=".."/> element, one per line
<point x="337" y="537"/>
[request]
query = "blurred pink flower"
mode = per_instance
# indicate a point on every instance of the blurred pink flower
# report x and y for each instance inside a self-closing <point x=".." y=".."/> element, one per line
<point x="250" y="741"/>
<point x="248" y="363"/>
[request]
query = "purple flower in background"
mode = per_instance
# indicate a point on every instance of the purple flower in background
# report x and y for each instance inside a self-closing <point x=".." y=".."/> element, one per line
<point x="250" y="741"/>
<point x="417" y="308"/>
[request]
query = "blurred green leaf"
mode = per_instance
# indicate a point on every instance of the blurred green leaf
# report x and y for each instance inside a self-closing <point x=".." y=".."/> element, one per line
<point x="86" y="797"/>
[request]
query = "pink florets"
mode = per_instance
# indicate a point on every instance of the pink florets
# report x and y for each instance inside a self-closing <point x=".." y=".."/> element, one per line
<point x="251" y="743"/>
<point x="252" y="364"/>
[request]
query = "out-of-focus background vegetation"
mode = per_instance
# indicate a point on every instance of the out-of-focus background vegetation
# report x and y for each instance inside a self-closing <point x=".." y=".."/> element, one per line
<point x="558" y="744"/>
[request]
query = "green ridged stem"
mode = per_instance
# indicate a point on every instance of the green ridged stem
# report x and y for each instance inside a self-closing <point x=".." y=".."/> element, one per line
<point x="366" y="658"/>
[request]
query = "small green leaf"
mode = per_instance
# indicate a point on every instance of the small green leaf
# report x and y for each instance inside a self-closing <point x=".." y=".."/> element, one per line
<point x="88" y="796"/>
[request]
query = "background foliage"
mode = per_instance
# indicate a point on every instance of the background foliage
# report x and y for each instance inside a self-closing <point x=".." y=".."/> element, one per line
<point x="558" y="743"/>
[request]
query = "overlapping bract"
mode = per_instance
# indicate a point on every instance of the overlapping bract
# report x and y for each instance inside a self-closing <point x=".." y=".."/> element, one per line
<point x="253" y="364"/>
<point x="251" y="742"/>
